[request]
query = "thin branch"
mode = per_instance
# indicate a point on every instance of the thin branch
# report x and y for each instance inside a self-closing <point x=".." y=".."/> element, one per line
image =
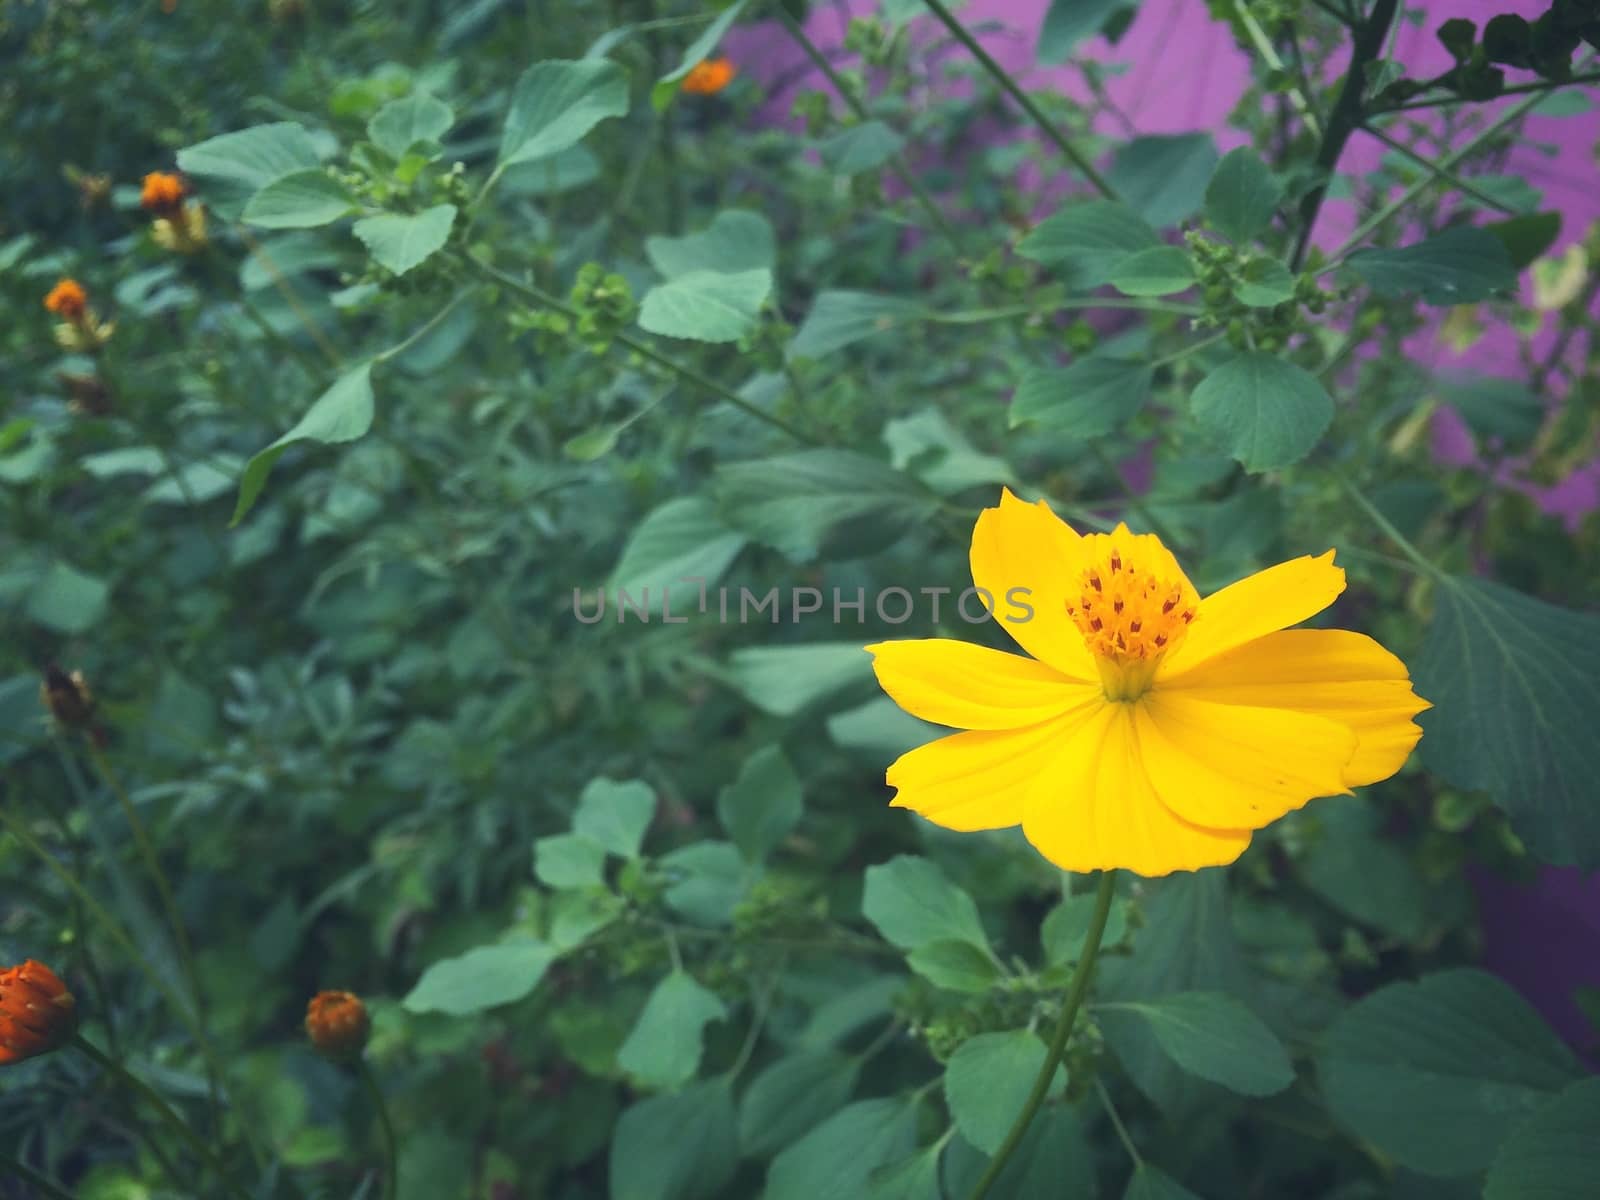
<point x="1444" y="173"/>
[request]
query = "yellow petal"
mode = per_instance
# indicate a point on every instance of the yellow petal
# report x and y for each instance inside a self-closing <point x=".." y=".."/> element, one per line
<point x="1094" y="809"/>
<point x="1234" y="765"/>
<point x="1346" y="677"/>
<point x="1026" y="557"/>
<point x="972" y="687"/>
<point x="977" y="780"/>
<point x="1260" y="604"/>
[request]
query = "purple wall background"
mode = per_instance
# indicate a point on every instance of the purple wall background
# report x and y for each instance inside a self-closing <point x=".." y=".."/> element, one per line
<point x="1185" y="74"/>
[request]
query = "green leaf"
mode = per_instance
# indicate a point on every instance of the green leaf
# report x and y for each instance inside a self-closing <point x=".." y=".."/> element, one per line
<point x="1088" y="239"/>
<point x="927" y="445"/>
<point x="838" y="1157"/>
<point x="1158" y="271"/>
<point x="1242" y="195"/>
<point x="1150" y="1183"/>
<point x="1164" y="177"/>
<point x="1554" y="1154"/>
<point x="556" y="103"/>
<point x="1267" y="412"/>
<point x="1362" y="873"/>
<point x="1462" y="265"/>
<point x="957" y="966"/>
<point x="480" y="979"/>
<point x="398" y="242"/>
<point x="821" y="503"/>
<point x="914" y="1178"/>
<point x="300" y="200"/>
<point x="1526" y="237"/>
<point x="1215" y="1037"/>
<point x="67" y="600"/>
<point x="616" y="815"/>
<point x="1067" y="925"/>
<point x="1068" y="22"/>
<point x="343" y="413"/>
<point x="707" y="882"/>
<point x="863" y="147"/>
<point x="912" y="904"/>
<point x="761" y="806"/>
<point x="841" y="318"/>
<point x="1515" y="683"/>
<point x="706" y="306"/>
<point x="663" y="1051"/>
<point x="697" y="51"/>
<point x="401" y="124"/>
<point x="1505" y="412"/>
<point x="792" y="1096"/>
<point x="1264" y="283"/>
<point x="683" y="539"/>
<point x="737" y="240"/>
<point x="569" y="860"/>
<point x="1088" y="399"/>
<point x="1436" y="1073"/>
<point x="784" y="680"/>
<point x="987" y="1081"/>
<point x="676" y="1147"/>
<point x="1054" y="1159"/>
<point x="563" y="171"/>
<point x="233" y="167"/>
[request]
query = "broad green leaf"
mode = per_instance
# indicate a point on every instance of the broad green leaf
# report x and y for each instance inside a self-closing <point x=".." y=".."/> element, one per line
<point x="663" y="1051"/>
<point x="1087" y="399"/>
<point x="762" y="805"/>
<point x="290" y="255"/>
<point x="1068" y="22"/>
<point x="697" y="51"/>
<point x="784" y="680"/>
<point x="957" y="966"/>
<point x="1242" y="195"/>
<point x="839" y="1156"/>
<point x="1158" y="271"/>
<point x="556" y="103"/>
<point x="821" y="503"/>
<point x="1437" y="1073"/>
<point x="863" y="147"/>
<point x="1268" y="413"/>
<point x="480" y="979"/>
<point x="1054" y="1159"/>
<point x="401" y="124"/>
<point x="398" y="242"/>
<point x="681" y="1146"/>
<point x="936" y="452"/>
<point x="706" y="306"/>
<point x="1151" y="1183"/>
<point x="1504" y="412"/>
<point x="616" y="815"/>
<point x="1515" y="683"/>
<point x="988" y="1079"/>
<point x="881" y="729"/>
<point x="792" y="1096"/>
<point x="706" y="881"/>
<point x="1462" y="265"/>
<point x="914" y="1178"/>
<point x="1215" y="1037"/>
<point x="1527" y="236"/>
<point x="684" y="539"/>
<point x="1264" y="283"/>
<point x="67" y="600"/>
<point x="1163" y="177"/>
<point x="563" y="171"/>
<point x="569" y="860"/>
<point x="196" y="482"/>
<point x="1365" y="875"/>
<point x="343" y="413"/>
<point x="1088" y="239"/>
<point x="1554" y="1154"/>
<point x="737" y="240"/>
<point x="1067" y="924"/>
<point x="233" y="167"/>
<point x="301" y="200"/>
<point x="912" y="903"/>
<point x="841" y="318"/>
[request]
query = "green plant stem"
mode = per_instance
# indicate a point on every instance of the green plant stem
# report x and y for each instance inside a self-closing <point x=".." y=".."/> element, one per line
<point x="1521" y="89"/>
<point x="282" y="285"/>
<point x="165" y="1111"/>
<point x="1345" y="117"/>
<point x="1400" y="540"/>
<point x="644" y="350"/>
<point x="1077" y="988"/>
<point x="897" y="163"/>
<point x="391" y="1147"/>
<point x="27" y="1174"/>
<point x="1116" y="1123"/>
<point x="1444" y="173"/>
<point x="1263" y="47"/>
<point x="1073" y="155"/>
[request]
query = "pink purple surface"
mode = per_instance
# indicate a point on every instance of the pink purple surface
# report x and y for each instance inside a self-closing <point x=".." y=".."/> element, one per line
<point x="1185" y="73"/>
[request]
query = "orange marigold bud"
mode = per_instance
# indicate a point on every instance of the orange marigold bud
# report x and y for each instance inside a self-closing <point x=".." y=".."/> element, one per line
<point x="37" y="1013"/>
<point x="709" y="77"/>
<point x="68" y="300"/>
<point x="338" y="1024"/>
<point x="162" y="192"/>
<point x="67" y="697"/>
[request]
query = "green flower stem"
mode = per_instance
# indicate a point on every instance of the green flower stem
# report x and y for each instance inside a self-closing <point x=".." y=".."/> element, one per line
<point x="391" y="1174"/>
<point x="27" y="1174"/>
<point x="1387" y="526"/>
<point x="1073" y="155"/>
<point x="1263" y="47"/>
<point x="165" y="1111"/>
<point x="1077" y="988"/>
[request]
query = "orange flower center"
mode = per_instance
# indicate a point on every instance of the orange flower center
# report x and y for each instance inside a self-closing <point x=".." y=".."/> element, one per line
<point x="1130" y="612"/>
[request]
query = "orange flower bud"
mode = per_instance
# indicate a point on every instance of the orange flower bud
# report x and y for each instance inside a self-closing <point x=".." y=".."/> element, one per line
<point x="37" y="1013"/>
<point x="67" y="697"/>
<point x="162" y="192"/>
<point x="68" y="300"/>
<point x="338" y="1024"/>
<point x="709" y="77"/>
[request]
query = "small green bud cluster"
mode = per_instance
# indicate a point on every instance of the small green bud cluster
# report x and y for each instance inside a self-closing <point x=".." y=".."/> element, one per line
<point x="604" y="306"/>
<point x="1224" y="270"/>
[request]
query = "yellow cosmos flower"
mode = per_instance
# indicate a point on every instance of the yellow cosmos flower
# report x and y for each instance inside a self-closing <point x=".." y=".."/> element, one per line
<point x="1152" y="729"/>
